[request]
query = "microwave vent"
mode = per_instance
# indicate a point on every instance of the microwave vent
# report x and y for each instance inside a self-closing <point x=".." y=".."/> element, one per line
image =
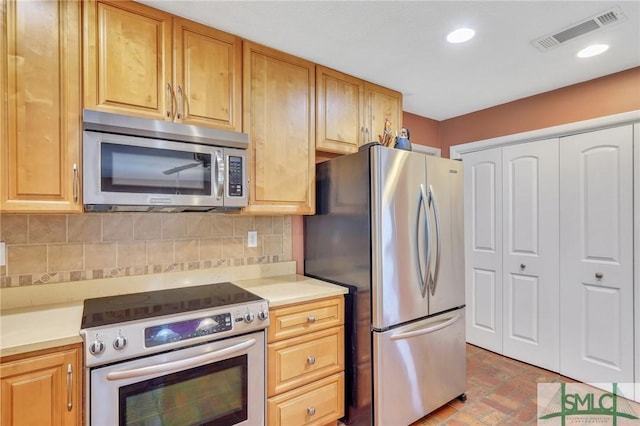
<point x="597" y="22"/>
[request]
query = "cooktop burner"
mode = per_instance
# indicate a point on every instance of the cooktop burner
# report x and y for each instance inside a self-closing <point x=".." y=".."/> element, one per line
<point x="135" y="306"/>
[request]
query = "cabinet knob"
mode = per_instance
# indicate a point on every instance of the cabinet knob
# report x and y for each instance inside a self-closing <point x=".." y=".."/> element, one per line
<point x="311" y="319"/>
<point x="311" y="411"/>
<point x="599" y="275"/>
<point x="522" y="266"/>
<point x="311" y="360"/>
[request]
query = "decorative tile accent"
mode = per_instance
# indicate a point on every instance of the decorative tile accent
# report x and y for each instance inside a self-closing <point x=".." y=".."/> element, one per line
<point x="105" y="245"/>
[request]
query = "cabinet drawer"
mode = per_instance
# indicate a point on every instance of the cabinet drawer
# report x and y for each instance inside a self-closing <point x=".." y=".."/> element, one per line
<point x="304" y="318"/>
<point x="315" y="404"/>
<point x="301" y="360"/>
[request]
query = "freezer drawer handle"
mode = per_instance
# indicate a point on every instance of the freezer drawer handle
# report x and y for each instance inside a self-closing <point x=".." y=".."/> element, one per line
<point x="181" y="364"/>
<point x="414" y="333"/>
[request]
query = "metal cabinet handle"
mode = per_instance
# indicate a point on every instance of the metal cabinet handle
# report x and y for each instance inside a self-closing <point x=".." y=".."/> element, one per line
<point x="311" y="319"/>
<point x="76" y="183"/>
<point x="599" y="275"/>
<point x="180" y="100"/>
<point x="311" y="411"/>
<point x="311" y="360"/>
<point x="169" y="101"/>
<point x="69" y="387"/>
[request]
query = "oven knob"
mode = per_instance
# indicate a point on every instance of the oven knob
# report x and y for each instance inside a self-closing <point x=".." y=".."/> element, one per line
<point x="97" y="347"/>
<point x="263" y="315"/>
<point x="249" y="317"/>
<point x="119" y="343"/>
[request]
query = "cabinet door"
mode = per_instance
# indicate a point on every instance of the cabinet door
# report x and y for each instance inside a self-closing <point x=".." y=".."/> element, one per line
<point x="42" y="390"/>
<point x="127" y="67"/>
<point x="380" y="104"/>
<point x="339" y="111"/>
<point x="279" y="115"/>
<point x="483" y="247"/>
<point x="596" y="240"/>
<point x="207" y="75"/>
<point x="530" y="253"/>
<point x="40" y="106"/>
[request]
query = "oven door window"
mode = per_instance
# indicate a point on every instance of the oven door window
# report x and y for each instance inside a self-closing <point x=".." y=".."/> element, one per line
<point x="214" y="394"/>
<point x="139" y="169"/>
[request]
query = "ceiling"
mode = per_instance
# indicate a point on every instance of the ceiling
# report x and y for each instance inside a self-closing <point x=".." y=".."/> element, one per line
<point x="401" y="44"/>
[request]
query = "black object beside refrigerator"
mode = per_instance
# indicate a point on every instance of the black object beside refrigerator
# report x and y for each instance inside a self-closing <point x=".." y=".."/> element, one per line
<point x="389" y="226"/>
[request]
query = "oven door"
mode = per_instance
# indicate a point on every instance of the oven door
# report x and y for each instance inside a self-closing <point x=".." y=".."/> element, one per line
<point x="216" y="383"/>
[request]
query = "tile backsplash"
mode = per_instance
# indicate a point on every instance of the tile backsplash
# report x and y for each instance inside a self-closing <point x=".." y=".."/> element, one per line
<point x="50" y="248"/>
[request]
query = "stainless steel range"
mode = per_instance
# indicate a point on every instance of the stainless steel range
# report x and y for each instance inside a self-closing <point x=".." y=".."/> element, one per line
<point x="193" y="355"/>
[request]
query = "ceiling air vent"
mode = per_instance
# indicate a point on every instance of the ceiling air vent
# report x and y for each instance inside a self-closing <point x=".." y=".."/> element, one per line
<point x="602" y="20"/>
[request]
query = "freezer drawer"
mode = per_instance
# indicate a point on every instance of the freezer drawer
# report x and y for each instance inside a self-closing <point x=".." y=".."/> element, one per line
<point x="418" y="368"/>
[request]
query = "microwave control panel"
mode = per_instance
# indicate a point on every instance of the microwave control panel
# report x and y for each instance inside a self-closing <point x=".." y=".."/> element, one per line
<point x="235" y="176"/>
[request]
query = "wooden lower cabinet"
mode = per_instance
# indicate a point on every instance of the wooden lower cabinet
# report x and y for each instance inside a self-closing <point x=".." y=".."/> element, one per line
<point x="305" y="363"/>
<point x="42" y="388"/>
<point x="318" y="403"/>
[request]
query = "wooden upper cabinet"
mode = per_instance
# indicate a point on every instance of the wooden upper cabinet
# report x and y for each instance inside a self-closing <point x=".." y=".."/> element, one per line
<point x="339" y="111"/>
<point x="207" y="75"/>
<point x="279" y="116"/>
<point x="43" y="389"/>
<point x="380" y="104"/>
<point x="40" y="106"/>
<point x="127" y="67"/>
<point x="146" y="62"/>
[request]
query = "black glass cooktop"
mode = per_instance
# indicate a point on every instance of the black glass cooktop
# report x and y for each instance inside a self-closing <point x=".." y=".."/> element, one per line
<point x="135" y="306"/>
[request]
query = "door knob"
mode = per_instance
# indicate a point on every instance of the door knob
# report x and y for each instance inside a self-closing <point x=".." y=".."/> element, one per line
<point x="522" y="266"/>
<point x="599" y="275"/>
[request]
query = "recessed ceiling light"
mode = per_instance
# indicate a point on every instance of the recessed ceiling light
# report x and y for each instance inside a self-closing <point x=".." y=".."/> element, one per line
<point x="593" y="50"/>
<point x="460" y="35"/>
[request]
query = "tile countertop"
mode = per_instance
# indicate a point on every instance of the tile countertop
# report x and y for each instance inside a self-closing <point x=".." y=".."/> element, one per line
<point x="49" y="315"/>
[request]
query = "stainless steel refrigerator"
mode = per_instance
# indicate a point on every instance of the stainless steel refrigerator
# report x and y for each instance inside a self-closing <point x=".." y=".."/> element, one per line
<point x="389" y="226"/>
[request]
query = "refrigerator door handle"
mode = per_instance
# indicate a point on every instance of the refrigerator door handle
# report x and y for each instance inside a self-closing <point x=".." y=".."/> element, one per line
<point x="439" y="326"/>
<point x="433" y="280"/>
<point x="423" y="280"/>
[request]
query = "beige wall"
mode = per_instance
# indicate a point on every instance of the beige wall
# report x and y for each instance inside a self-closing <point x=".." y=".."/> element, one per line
<point x="612" y="94"/>
<point x="59" y="248"/>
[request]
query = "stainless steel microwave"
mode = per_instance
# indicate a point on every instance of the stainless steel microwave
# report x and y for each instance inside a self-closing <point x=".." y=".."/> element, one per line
<point x="140" y="164"/>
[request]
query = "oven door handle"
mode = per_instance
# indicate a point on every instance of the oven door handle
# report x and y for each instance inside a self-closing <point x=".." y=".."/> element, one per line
<point x="181" y="364"/>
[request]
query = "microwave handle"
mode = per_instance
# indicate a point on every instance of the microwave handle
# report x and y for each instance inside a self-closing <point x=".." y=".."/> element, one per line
<point x="219" y="175"/>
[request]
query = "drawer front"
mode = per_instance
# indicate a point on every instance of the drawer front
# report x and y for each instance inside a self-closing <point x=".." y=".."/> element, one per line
<point x="315" y="404"/>
<point x="301" y="360"/>
<point x="304" y="318"/>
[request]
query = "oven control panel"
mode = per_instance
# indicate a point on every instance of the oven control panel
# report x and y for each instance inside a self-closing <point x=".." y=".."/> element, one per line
<point x="183" y="330"/>
<point x="132" y="339"/>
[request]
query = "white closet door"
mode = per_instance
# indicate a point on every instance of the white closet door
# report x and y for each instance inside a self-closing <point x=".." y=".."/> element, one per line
<point x="530" y="265"/>
<point x="483" y="247"/>
<point x="596" y="254"/>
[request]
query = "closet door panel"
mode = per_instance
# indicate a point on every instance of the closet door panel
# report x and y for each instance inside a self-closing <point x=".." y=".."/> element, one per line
<point x="530" y="253"/>
<point x="483" y="248"/>
<point x="597" y="256"/>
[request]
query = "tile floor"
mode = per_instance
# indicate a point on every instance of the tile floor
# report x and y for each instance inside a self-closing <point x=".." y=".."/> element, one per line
<point x="500" y="391"/>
